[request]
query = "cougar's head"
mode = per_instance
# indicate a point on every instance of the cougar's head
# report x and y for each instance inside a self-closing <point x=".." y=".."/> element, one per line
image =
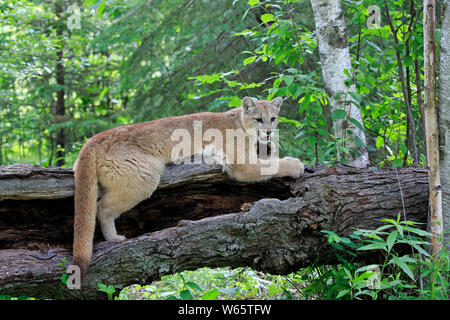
<point x="260" y="117"/>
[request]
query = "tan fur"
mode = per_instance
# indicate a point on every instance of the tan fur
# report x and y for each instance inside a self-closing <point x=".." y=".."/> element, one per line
<point x="127" y="163"/>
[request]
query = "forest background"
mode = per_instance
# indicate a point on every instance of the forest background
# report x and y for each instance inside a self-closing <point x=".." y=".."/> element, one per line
<point x="71" y="69"/>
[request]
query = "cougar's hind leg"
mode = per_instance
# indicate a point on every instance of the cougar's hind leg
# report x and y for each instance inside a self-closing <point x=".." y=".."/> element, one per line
<point x="125" y="191"/>
<point x="112" y="204"/>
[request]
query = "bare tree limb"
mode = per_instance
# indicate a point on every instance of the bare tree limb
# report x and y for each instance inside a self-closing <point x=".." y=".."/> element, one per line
<point x="199" y="217"/>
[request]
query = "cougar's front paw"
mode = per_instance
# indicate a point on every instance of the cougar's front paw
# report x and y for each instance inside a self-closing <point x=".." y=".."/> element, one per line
<point x="295" y="167"/>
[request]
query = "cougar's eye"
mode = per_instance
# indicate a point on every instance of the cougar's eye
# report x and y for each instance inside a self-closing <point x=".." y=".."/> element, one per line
<point x="273" y="119"/>
<point x="260" y="120"/>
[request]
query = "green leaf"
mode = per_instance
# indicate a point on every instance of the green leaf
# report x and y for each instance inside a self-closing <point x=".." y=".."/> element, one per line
<point x="296" y="90"/>
<point x="290" y="121"/>
<point x="288" y="80"/>
<point x="251" y="85"/>
<point x="408" y="61"/>
<point x="360" y="77"/>
<point x="356" y="98"/>
<point x="234" y="101"/>
<point x="101" y="8"/>
<point x="416" y="246"/>
<point x="253" y="2"/>
<point x="322" y="132"/>
<point x="216" y="103"/>
<point x="304" y="103"/>
<point x="89" y="2"/>
<point x="102" y="94"/>
<point x="333" y="237"/>
<point x="400" y="262"/>
<point x="211" y="295"/>
<point x="417" y="231"/>
<point x="359" y="142"/>
<point x="101" y="287"/>
<point x="311" y="140"/>
<point x="338" y="114"/>
<point x="249" y="60"/>
<point x="267" y="17"/>
<point x="373" y="246"/>
<point x="370" y="293"/>
<point x="186" y="295"/>
<point x="344" y="150"/>
<point x="193" y="285"/>
<point x="391" y="239"/>
<point x="64" y="278"/>
<point x="342" y="293"/>
<point x="347" y="241"/>
<point x="380" y="142"/>
<point x="207" y="78"/>
<point x="357" y="124"/>
<point x="371" y="267"/>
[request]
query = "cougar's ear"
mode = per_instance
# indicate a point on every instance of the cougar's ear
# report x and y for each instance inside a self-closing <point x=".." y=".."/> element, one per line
<point x="277" y="102"/>
<point x="248" y="104"/>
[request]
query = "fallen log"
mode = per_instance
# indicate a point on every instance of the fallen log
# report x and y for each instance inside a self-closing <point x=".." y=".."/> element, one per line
<point x="198" y="217"/>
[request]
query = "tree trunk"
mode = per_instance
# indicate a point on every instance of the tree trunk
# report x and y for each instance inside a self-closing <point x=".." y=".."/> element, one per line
<point x="335" y="59"/>
<point x="431" y="123"/>
<point x="60" y="109"/>
<point x="197" y="217"/>
<point x="444" y="116"/>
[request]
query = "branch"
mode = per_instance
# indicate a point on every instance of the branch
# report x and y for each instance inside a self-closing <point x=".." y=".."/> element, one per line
<point x="405" y="91"/>
<point x="264" y="232"/>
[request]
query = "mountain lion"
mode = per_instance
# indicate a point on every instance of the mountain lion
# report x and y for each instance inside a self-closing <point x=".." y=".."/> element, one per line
<point x="127" y="162"/>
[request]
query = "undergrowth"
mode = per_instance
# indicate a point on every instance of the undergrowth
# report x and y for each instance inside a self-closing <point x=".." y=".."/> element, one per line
<point x="405" y="270"/>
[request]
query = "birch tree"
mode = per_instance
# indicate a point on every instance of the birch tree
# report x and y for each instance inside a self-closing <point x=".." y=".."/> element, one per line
<point x="335" y="59"/>
<point x="444" y="115"/>
<point x="431" y="123"/>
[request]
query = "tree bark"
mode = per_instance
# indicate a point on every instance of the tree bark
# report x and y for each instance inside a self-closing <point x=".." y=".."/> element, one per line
<point x="444" y="116"/>
<point x="60" y="109"/>
<point x="431" y="124"/>
<point x="198" y="217"/>
<point x="335" y="59"/>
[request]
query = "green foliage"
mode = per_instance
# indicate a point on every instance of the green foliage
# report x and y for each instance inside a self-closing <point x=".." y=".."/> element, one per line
<point x="216" y="284"/>
<point x="377" y="78"/>
<point x="8" y="297"/>
<point x="30" y="44"/>
<point x="283" y="41"/>
<point x="130" y="62"/>
<point x="63" y="265"/>
<point x="108" y="289"/>
<point x="414" y="275"/>
<point x="405" y="270"/>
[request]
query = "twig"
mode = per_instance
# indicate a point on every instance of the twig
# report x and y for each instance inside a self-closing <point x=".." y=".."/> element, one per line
<point x="409" y="235"/>
<point x="402" y="80"/>
<point x="401" y="195"/>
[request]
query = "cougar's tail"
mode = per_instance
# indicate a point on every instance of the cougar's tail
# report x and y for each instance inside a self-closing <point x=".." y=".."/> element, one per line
<point x="86" y="193"/>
